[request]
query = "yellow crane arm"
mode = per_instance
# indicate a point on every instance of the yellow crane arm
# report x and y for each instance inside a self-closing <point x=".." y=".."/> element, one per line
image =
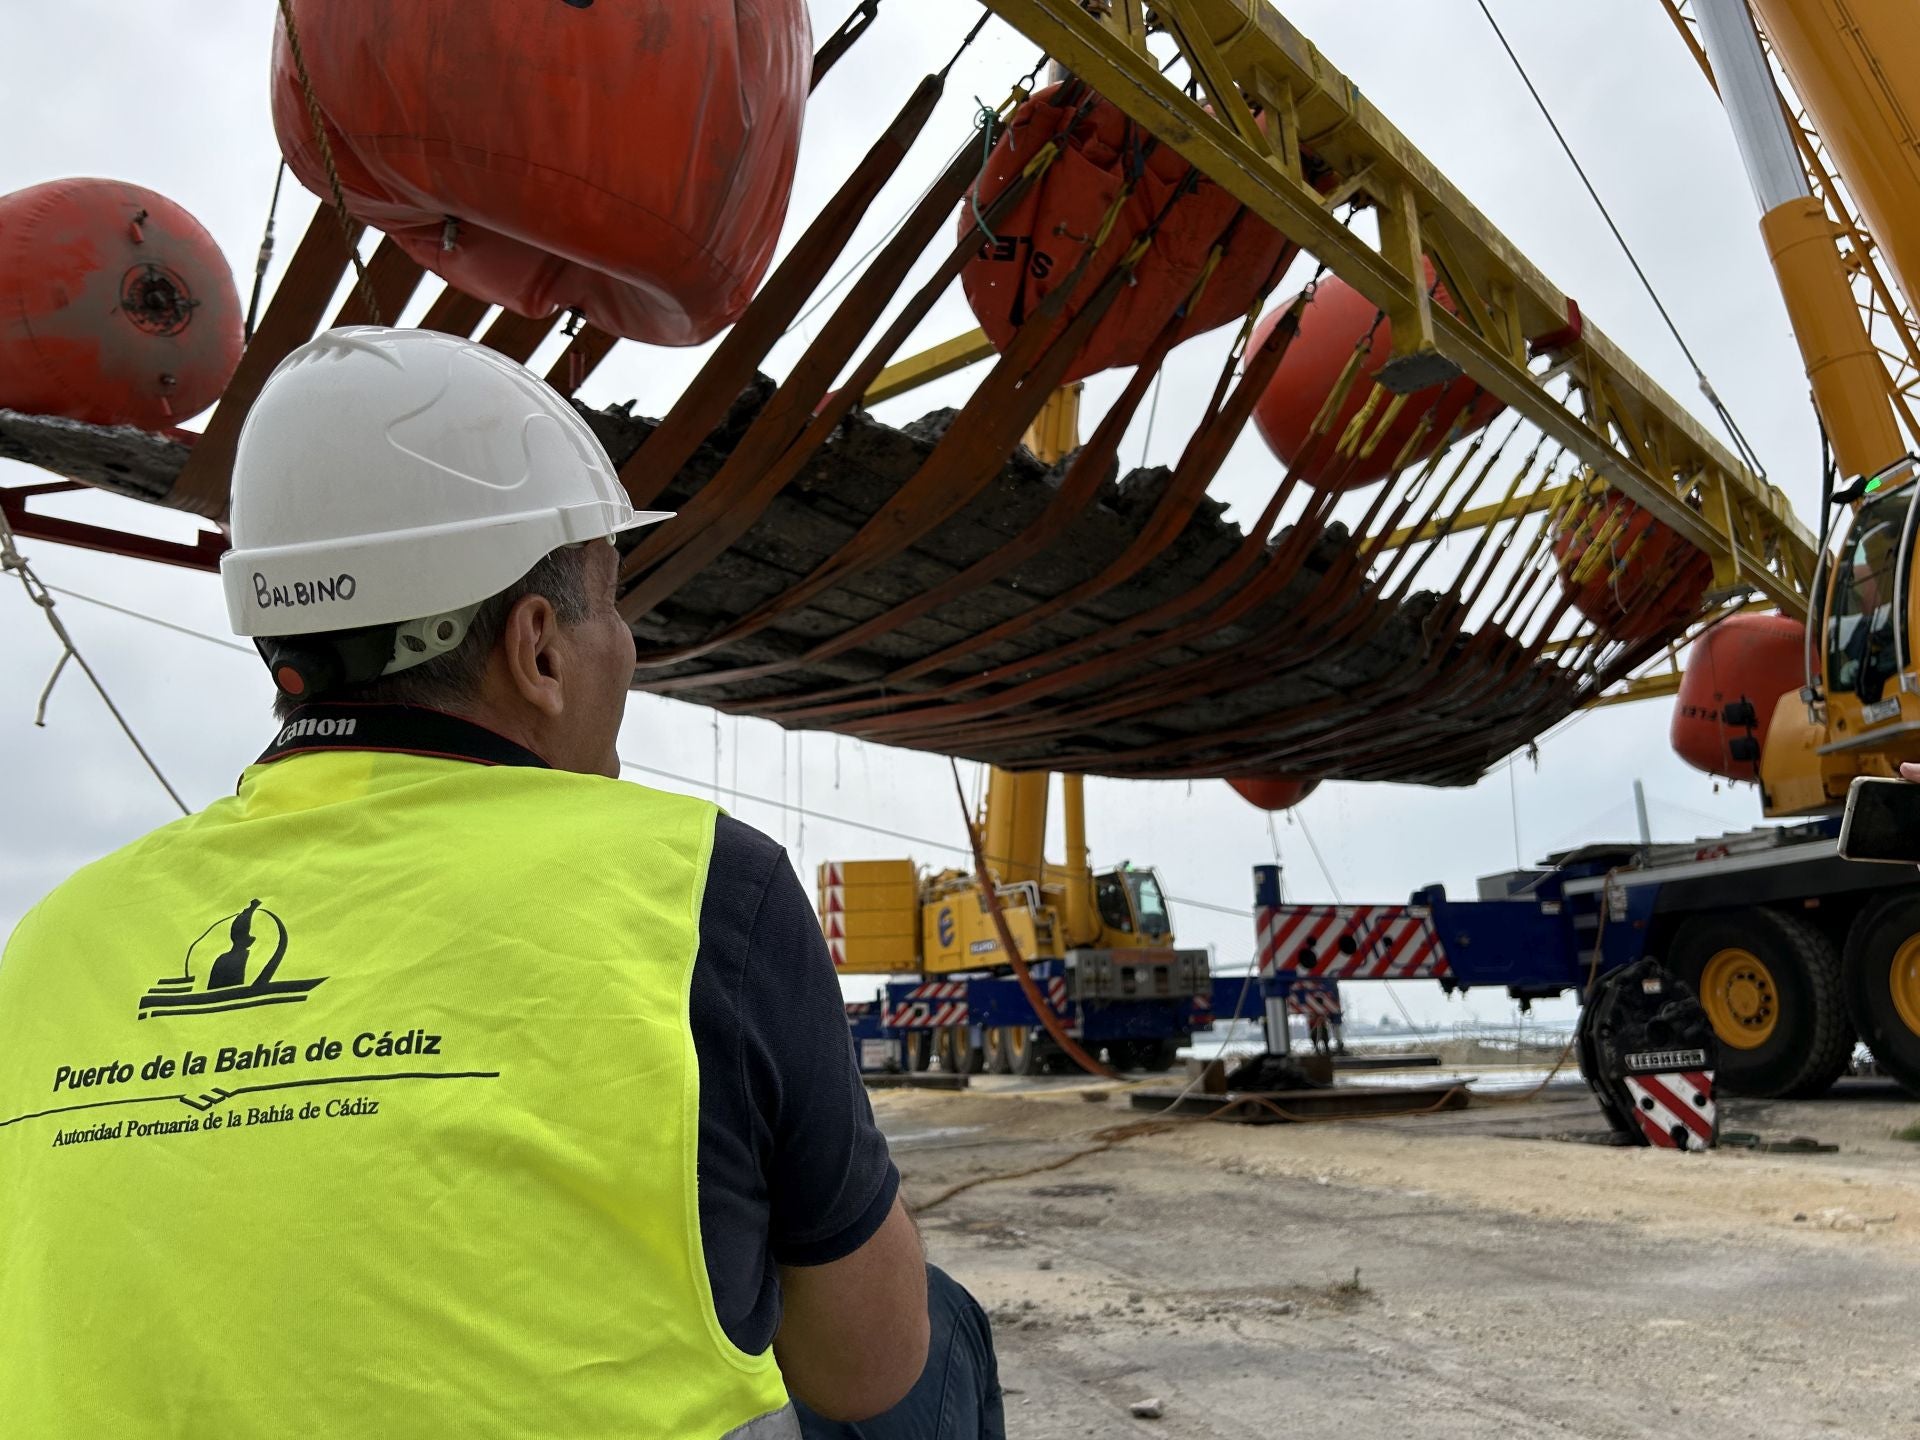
<point x="1624" y="426"/>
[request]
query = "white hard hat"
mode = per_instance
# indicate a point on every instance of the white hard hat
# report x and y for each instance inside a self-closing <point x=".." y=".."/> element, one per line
<point x="386" y="476"/>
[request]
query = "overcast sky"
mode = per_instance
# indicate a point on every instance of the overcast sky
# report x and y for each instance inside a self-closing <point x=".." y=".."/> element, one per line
<point x="172" y="94"/>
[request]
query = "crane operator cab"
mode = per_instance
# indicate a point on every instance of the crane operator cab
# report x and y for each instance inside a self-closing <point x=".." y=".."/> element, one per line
<point x="1859" y="713"/>
<point x="1133" y="909"/>
<point x="1868" y="644"/>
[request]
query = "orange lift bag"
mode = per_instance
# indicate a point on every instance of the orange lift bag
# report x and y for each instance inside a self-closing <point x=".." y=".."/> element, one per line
<point x="1036" y="246"/>
<point x="116" y="307"/>
<point x="1628" y="573"/>
<point x="1275" y="794"/>
<point x="1367" y="432"/>
<point x="632" y="160"/>
<point x="1735" y="675"/>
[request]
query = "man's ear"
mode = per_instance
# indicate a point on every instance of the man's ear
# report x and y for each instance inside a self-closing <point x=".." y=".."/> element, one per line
<point x="529" y="645"/>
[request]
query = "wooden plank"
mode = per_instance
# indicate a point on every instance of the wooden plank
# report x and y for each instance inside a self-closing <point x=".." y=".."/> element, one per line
<point x="454" y="312"/>
<point x="393" y="276"/>
<point x="580" y="359"/>
<point x="298" y="303"/>
<point x="516" y="336"/>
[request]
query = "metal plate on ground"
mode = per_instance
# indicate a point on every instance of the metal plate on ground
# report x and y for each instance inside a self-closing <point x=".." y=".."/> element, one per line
<point x="1287" y="1106"/>
<point x="933" y="1080"/>
<point x="1385" y="1062"/>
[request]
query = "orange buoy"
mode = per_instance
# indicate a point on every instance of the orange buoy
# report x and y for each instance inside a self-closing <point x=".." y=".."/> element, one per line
<point x="631" y="161"/>
<point x="116" y="307"/>
<point x="1036" y="246"/>
<point x="1628" y="573"/>
<point x="1736" y="673"/>
<point x="1275" y="793"/>
<point x="1372" y="430"/>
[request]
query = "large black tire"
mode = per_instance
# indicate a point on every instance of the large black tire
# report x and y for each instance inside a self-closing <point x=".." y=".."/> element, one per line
<point x="1028" y="1049"/>
<point x="1883" y="984"/>
<point x="1770" y="982"/>
<point x="972" y="1057"/>
<point x="1000" y="1050"/>
<point x="919" y="1050"/>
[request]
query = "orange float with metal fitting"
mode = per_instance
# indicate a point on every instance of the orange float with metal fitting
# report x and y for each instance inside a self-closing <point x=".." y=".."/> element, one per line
<point x="1081" y="202"/>
<point x="116" y="306"/>
<point x="1370" y="430"/>
<point x="1736" y="674"/>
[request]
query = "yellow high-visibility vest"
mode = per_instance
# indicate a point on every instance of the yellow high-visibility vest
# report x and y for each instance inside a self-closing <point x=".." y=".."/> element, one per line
<point x="364" y="1104"/>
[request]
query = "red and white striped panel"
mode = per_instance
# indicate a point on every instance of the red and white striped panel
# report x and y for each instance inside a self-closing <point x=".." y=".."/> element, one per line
<point x="923" y="1014"/>
<point x="1387" y="942"/>
<point x="1057" y="993"/>
<point x="932" y="1002"/>
<point x="833" y="893"/>
<point x="1675" y="1110"/>
<point x="1315" y="1000"/>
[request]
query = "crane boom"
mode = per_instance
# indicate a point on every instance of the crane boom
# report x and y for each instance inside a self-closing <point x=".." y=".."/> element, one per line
<point x="1629" y="430"/>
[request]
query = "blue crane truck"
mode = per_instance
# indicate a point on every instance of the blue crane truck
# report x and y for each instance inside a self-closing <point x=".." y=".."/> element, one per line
<point x="1137" y="1006"/>
<point x="1794" y="953"/>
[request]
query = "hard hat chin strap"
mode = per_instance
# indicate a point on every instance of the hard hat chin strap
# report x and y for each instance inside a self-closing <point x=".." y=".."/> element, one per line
<point x="308" y="666"/>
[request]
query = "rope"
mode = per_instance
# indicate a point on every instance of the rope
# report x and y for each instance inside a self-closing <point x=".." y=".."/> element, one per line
<point x="347" y="229"/>
<point x="1153" y="412"/>
<point x="266" y="255"/>
<point x="986" y="118"/>
<point x="12" y="560"/>
<point x="1700" y="375"/>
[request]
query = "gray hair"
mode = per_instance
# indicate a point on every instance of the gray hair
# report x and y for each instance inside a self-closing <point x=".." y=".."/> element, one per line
<point x="452" y="681"/>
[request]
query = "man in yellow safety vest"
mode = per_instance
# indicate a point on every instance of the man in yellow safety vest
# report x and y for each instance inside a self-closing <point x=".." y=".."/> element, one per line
<point x="437" y="1082"/>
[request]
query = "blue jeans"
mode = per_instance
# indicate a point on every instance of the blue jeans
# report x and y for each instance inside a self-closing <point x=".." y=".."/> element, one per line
<point x="957" y="1396"/>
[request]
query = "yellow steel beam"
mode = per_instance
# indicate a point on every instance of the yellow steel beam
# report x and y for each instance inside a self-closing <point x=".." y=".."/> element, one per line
<point x="1543" y="499"/>
<point x="1640" y="687"/>
<point x="929" y="365"/>
<point x="1629" y="430"/>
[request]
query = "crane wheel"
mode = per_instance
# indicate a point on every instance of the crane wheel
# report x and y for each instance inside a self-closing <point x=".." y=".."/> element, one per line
<point x="1883" y="984"/>
<point x="919" y="1045"/>
<point x="958" y="1054"/>
<point x="1000" y="1050"/>
<point x="1770" y="983"/>
<point x="1027" y="1049"/>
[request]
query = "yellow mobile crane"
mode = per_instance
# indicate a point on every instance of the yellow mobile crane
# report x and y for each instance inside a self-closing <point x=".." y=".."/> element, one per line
<point x="1840" y="214"/>
<point x="1110" y="929"/>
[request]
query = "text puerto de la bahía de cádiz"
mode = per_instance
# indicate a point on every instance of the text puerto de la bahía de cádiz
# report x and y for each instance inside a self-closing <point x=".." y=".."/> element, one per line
<point x="229" y="1059"/>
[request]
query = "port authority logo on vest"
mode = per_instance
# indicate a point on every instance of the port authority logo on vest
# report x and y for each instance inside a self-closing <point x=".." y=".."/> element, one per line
<point x="233" y="965"/>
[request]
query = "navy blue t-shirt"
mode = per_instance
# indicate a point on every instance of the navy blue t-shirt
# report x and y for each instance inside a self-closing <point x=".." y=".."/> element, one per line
<point x="793" y="1170"/>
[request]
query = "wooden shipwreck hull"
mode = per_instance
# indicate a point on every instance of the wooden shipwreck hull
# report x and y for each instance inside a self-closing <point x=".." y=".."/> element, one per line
<point x="1323" y="678"/>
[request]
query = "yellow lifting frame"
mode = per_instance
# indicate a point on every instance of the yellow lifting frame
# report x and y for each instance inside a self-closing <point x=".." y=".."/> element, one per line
<point x="1657" y="686"/>
<point x="929" y="365"/>
<point x="1631" y="432"/>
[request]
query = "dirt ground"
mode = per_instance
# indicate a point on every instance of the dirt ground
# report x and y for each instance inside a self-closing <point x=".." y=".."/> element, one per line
<point x="1442" y="1276"/>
